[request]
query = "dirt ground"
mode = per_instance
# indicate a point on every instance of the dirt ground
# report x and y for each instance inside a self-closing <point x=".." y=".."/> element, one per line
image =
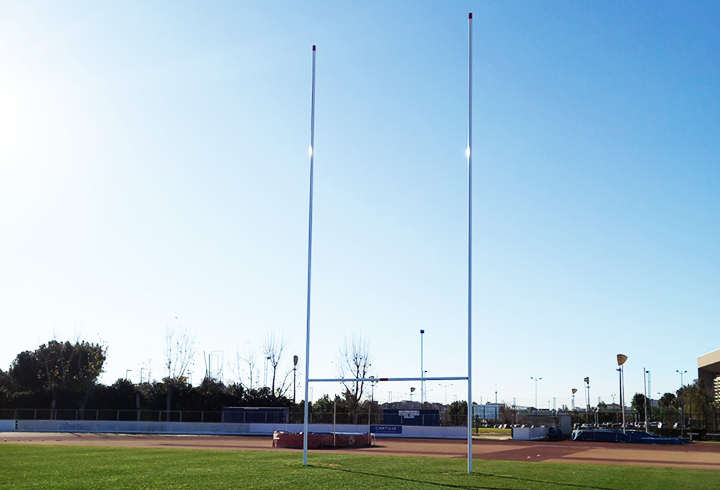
<point x="695" y="455"/>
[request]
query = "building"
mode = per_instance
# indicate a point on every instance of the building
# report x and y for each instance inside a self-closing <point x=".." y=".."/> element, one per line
<point x="709" y="372"/>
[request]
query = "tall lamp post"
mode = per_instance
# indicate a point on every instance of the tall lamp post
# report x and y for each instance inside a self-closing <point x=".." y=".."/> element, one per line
<point x="621" y="358"/>
<point x="422" y="371"/>
<point x="536" y="405"/>
<point x="446" y="387"/>
<point x="295" y="361"/>
<point x="649" y="393"/>
<point x="574" y="390"/>
<point x="126" y="373"/>
<point x="682" y="403"/>
<point x="646" y="394"/>
<point x="587" y="405"/>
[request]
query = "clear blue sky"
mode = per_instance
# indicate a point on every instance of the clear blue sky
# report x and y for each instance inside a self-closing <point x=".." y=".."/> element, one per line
<point x="153" y="165"/>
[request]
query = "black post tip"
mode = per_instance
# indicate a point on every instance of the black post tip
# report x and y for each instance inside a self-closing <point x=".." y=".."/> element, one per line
<point x="470" y="15"/>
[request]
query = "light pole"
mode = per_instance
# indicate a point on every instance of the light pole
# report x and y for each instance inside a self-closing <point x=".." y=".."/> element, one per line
<point x="682" y="403"/>
<point x="266" y="360"/>
<point x="126" y="373"/>
<point x="621" y="358"/>
<point x="649" y="391"/>
<point x="646" y="393"/>
<point x="574" y="390"/>
<point x="446" y="387"/>
<point x="295" y="361"/>
<point x="587" y="400"/>
<point x="536" y="406"/>
<point x="422" y="371"/>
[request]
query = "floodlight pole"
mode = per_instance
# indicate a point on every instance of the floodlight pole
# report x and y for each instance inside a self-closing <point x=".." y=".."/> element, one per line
<point x="310" y="213"/>
<point x="682" y="403"/>
<point x="468" y="152"/>
<point x="649" y="391"/>
<point x="621" y="359"/>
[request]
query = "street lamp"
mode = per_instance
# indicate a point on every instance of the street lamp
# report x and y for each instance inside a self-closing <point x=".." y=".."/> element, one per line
<point x="646" y="394"/>
<point x="574" y="390"/>
<point x="536" y="406"/>
<point x="266" y="360"/>
<point x="621" y="358"/>
<point x="126" y="373"/>
<point x="422" y="371"/>
<point x="649" y="391"/>
<point x="587" y="400"/>
<point x="682" y="402"/>
<point x="446" y="387"/>
<point x="295" y="361"/>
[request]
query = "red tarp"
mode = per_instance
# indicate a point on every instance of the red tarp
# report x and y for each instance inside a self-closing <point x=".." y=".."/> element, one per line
<point x="324" y="440"/>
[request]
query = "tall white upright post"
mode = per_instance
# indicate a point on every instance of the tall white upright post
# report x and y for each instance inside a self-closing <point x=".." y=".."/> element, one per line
<point x="422" y="369"/>
<point x="645" y="393"/>
<point x="307" y="331"/>
<point x="468" y="153"/>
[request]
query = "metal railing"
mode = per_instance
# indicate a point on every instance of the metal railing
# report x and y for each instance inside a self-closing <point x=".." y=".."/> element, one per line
<point x="258" y="416"/>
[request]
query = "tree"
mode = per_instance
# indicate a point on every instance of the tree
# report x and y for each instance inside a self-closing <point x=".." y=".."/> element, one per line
<point x="273" y="349"/>
<point x="70" y="371"/>
<point x="25" y="373"/>
<point x="354" y="364"/>
<point x="237" y="366"/>
<point x="638" y="402"/>
<point x="457" y="413"/>
<point x="666" y="402"/>
<point x="180" y="354"/>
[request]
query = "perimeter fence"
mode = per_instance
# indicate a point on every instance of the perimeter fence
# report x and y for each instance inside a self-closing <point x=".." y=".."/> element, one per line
<point x="255" y="416"/>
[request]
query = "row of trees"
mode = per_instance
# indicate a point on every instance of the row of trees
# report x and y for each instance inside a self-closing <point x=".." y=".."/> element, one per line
<point x="64" y="375"/>
<point x="56" y="374"/>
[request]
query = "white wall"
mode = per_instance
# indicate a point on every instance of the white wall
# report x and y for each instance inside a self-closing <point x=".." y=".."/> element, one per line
<point x="529" y="434"/>
<point x="134" y="427"/>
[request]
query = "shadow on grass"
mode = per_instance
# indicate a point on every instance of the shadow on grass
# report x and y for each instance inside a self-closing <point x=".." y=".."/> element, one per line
<point x="451" y="485"/>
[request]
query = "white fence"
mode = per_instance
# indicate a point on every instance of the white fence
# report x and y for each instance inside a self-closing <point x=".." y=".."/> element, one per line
<point x="199" y="428"/>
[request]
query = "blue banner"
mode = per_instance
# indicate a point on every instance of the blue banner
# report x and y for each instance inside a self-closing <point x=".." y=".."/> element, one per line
<point x="386" y="429"/>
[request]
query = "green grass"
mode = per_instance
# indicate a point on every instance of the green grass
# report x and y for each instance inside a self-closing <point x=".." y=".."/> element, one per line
<point x="490" y="430"/>
<point x="63" y="467"/>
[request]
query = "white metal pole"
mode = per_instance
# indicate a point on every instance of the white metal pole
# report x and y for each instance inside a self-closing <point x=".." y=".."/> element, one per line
<point x="422" y="369"/>
<point x="468" y="152"/>
<point x="307" y="332"/>
<point x="622" y="390"/>
<point x="649" y="391"/>
<point x="645" y="390"/>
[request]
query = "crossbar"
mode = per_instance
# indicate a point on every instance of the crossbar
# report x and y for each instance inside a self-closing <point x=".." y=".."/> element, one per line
<point x="371" y="380"/>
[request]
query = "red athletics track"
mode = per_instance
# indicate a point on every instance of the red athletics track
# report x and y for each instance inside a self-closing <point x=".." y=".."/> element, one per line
<point x="695" y="455"/>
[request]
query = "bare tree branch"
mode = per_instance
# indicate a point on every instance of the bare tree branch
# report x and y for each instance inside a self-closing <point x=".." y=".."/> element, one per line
<point x="273" y="349"/>
<point x="180" y="351"/>
<point x="354" y="362"/>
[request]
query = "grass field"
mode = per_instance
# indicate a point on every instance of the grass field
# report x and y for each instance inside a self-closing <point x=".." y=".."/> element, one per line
<point x="490" y="430"/>
<point x="63" y="467"/>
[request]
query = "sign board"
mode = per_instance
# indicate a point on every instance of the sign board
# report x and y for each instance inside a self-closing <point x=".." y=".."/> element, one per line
<point x="386" y="429"/>
<point x="487" y="412"/>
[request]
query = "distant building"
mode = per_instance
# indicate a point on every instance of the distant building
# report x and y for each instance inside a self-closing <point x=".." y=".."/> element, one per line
<point x="709" y="372"/>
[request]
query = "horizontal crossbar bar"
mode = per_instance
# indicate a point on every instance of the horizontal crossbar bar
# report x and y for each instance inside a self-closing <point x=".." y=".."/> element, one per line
<point x="340" y="380"/>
